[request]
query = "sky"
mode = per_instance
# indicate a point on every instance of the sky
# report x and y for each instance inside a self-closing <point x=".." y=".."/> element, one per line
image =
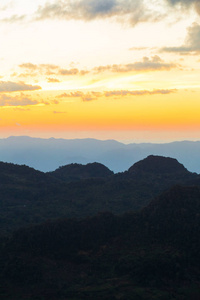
<point x="108" y="69"/>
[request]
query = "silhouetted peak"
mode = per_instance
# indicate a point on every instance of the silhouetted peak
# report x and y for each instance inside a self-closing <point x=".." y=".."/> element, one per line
<point x="78" y="171"/>
<point x="158" y="165"/>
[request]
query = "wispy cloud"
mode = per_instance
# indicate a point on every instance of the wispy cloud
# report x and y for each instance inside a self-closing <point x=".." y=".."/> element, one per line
<point x="138" y="92"/>
<point x="59" y="112"/>
<point x="84" y="96"/>
<point x="89" y="96"/>
<point x="192" y="42"/>
<point x="154" y="63"/>
<point x="31" y="70"/>
<point x="9" y="86"/>
<point x="68" y="72"/>
<point x="14" y="19"/>
<point x="19" y="100"/>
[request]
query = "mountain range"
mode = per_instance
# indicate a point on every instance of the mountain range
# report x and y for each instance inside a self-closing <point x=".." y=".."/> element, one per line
<point x="29" y="196"/>
<point x="84" y="232"/>
<point x="49" y="154"/>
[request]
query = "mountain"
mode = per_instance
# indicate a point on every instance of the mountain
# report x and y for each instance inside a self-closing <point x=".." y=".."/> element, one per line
<point x="78" y="171"/>
<point x="158" y="165"/>
<point x="152" y="254"/>
<point x="31" y="197"/>
<point x="48" y="154"/>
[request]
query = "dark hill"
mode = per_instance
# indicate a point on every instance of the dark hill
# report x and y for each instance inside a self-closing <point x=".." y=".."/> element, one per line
<point x="74" y="172"/>
<point x="157" y="165"/>
<point x="13" y="173"/>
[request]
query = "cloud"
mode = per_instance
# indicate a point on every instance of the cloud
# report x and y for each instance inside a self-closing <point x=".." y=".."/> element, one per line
<point x="70" y="95"/>
<point x="192" y="42"/>
<point x="59" y="112"/>
<point x="138" y="48"/>
<point x="84" y="96"/>
<point x="52" y="80"/>
<point x="33" y="69"/>
<point x="29" y="66"/>
<point x="48" y="69"/>
<point x="186" y="4"/>
<point x="138" y="92"/>
<point x="89" y="96"/>
<point x="147" y="64"/>
<point x="154" y="63"/>
<point x="133" y="11"/>
<point x="9" y="86"/>
<point x="68" y="72"/>
<point x="14" y="19"/>
<point x="20" y="100"/>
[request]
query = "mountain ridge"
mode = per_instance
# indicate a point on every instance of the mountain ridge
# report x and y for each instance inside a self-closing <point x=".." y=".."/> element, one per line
<point x="33" y="197"/>
<point x="48" y="154"/>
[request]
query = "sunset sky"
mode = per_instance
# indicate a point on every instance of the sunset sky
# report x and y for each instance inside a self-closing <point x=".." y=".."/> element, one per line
<point x="108" y="69"/>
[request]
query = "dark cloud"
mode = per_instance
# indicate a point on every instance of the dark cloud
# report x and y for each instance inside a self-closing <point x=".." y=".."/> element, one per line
<point x="133" y="10"/>
<point x="9" y="86"/>
<point x="147" y="64"/>
<point x="186" y="4"/>
<point x="192" y="42"/>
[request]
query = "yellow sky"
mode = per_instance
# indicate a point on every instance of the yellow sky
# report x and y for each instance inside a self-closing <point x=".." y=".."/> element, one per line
<point x="127" y="70"/>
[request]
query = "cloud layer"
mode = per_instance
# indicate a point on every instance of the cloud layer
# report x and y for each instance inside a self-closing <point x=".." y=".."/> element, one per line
<point x="147" y="64"/>
<point x="132" y="10"/>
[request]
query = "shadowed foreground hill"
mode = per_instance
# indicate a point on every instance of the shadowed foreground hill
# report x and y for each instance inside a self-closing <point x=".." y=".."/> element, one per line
<point x="31" y="197"/>
<point x="152" y="254"/>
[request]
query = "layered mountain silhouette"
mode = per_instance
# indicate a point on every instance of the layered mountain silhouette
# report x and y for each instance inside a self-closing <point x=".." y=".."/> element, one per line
<point x="48" y="154"/>
<point x="31" y="197"/>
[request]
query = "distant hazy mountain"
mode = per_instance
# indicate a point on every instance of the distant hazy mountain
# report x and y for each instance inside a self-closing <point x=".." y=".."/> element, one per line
<point x="49" y="154"/>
